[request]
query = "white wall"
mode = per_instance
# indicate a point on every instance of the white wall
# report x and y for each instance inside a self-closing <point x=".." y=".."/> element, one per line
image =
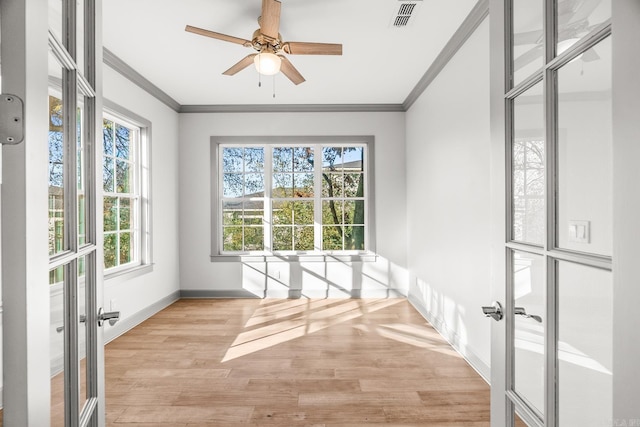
<point x="136" y="294"/>
<point x="448" y="213"/>
<point x="197" y="272"/>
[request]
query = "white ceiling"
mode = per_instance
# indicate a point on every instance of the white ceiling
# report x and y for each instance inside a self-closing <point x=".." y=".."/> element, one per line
<point x="380" y="64"/>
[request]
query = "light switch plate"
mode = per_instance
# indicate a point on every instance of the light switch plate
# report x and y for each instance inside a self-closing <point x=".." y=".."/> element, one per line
<point x="579" y="231"/>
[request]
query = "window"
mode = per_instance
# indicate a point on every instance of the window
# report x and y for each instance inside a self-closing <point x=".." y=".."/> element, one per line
<point x="125" y="192"/>
<point x="290" y="198"/>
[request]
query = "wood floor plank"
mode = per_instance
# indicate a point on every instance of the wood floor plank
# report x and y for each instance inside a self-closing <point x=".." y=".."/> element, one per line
<point x="323" y="363"/>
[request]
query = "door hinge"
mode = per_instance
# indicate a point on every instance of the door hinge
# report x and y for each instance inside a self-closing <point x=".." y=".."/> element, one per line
<point x="11" y="119"/>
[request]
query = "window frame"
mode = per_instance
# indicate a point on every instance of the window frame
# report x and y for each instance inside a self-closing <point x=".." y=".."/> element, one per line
<point x="270" y="142"/>
<point x="142" y="169"/>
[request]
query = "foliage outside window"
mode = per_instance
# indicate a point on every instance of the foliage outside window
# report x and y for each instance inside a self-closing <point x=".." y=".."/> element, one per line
<point x="121" y="185"/>
<point x="278" y="198"/>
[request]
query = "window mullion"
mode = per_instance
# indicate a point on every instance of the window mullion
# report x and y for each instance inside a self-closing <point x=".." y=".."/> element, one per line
<point x="268" y="185"/>
<point x="317" y="200"/>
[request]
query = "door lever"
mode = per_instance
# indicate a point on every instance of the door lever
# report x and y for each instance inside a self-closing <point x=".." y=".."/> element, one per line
<point x="494" y="311"/>
<point x="111" y="316"/>
<point x="520" y="311"/>
<point x="83" y="319"/>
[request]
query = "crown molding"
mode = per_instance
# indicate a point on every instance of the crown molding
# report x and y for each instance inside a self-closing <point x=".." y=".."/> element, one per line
<point x="479" y="12"/>
<point x="138" y="79"/>
<point x="291" y="108"/>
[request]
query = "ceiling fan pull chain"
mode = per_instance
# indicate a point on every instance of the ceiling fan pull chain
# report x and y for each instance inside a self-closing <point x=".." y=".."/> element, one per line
<point x="274" y="85"/>
<point x="259" y="73"/>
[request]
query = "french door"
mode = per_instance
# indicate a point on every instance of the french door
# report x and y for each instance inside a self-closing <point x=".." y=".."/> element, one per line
<point x="553" y="131"/>
<point x="51" y="59"/>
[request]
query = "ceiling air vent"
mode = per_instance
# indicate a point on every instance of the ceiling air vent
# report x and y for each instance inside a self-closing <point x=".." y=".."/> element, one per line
<point x="403" y="14"/>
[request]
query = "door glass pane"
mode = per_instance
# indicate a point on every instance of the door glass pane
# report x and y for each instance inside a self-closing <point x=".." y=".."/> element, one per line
<point x="83" y="340"/>
<point x="528" y="167"/>
<point x="55" y="18"/>
<point x="585" y="164"/>
<point x="56" y="340"/>
<point x="528" y="40"/>
<point x="585" y="327"/>
<point x="80" y="35"/>
<point x="529" y="309"/>
<point x="57" y="241"/>
<point x="80" y="171"/>
<point x="576" y="18"/>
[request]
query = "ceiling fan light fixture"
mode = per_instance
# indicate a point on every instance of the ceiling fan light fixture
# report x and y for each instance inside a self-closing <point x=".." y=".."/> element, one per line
<point x="267" y="63"/>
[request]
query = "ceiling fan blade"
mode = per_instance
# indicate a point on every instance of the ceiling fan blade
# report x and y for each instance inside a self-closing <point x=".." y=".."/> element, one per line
<point x="527" y="57"/>
<point x="528" y="37"/>
<point x="270" y="18"/>
<point x="240" y="65"/>
<point x="218" y="36"/>
<point x="304" y="48"/>
<point x="290" y="71"/>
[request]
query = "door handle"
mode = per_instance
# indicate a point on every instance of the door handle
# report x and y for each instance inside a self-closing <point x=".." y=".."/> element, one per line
<point x="83" y="319"/>
<point x="520" y="311"/>
<point x="111" y="316"/>
<point x="494" y="311"/>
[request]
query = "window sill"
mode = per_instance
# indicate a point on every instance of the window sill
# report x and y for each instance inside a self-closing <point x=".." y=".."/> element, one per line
<point x="362" y="257"/>
<point x="129" y="273"/>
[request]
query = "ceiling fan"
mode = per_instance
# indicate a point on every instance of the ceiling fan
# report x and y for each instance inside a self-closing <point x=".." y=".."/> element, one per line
<point x="268" y="42"/>
<point x="573" y="23"/>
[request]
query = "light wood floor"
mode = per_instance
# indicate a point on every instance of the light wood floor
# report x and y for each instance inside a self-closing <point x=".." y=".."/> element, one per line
<point x="289" y="363"/>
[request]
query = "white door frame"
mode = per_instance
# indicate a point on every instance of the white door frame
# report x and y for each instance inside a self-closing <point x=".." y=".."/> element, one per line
<point x="625" y="22"/>
<point x="25" y="259"/>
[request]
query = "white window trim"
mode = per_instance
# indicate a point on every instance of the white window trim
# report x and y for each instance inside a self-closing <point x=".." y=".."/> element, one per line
<point x="145" y="262"/>
<point x="217" y="255"/>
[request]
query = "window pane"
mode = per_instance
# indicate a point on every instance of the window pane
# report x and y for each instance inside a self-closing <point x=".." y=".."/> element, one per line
<point x="283" y="159"/>
<point x="303" y="213"/>
<point x="56" y="175"/>
<point x="303" y="184"/>
<point x="254" y="185"/>
<point x="354" y="238"/>
<point x="125" y="214"/>
<point x="126" y="249"/>
<point x="231" y="213"/>
<point x="354" y="212"/>
<point x="82" y="223"/>
<point x="254" y="160"/>
<point x="528" y="40"/>
<point x="585" y="159"/>
<point x="331" y="159"/>
<point x="332" y="238"/>
<point x="303" y="238"/>
<point x="282" y="238"/>
<point x="232" y="159"/>
<point x="123" y="176"/>
<point x="232" y="238"/>
<point x="354" y="185"/>
<point x="585" y="352"/>
<point x="332" y="211"/>
<point x="108" y="174"/>
<point x="110" y="213"/>
<point x="253" y="239"/>
<point x="123" y="142"/>
<point x="282" y="213"/>
<point x="332" y="184"/>
<point x="528" y="167"/>
<point x="282" y="185"/>
<point x="353" y="159"/>
<point x="577" y="18"/>
<point x="529" y="353"/>
<point x="232" y="185"/>
<point x="303" y="159"/>
<point x="110" y="250"/>
<point x="253" y="213"/>
<point x="107" y="137"/>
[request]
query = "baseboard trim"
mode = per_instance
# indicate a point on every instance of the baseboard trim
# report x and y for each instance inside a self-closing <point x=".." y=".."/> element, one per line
<point x="210" y="293"/>
<point x="454" y="340"/>
<point x="132" y="321"/>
